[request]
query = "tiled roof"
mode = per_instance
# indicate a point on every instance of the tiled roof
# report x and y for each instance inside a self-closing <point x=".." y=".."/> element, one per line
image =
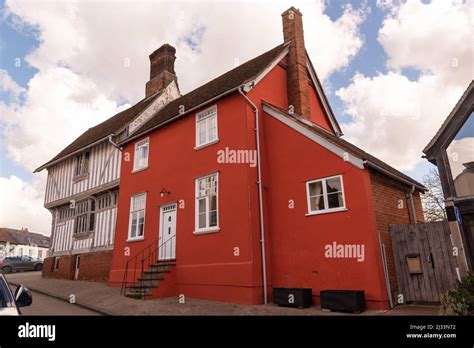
<point x="16" y="237"/>
<point x="222" y="84"/>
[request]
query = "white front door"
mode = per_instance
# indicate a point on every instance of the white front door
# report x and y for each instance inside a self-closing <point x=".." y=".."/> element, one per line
<point x="167" y="241"/>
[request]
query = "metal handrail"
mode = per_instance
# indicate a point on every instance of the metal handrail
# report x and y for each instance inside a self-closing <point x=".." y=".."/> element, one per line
<point x="147" y="254"/>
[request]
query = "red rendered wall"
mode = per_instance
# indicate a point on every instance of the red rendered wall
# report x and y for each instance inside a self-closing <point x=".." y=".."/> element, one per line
<point x="298" y="241"/>
<point x="206" y="265"/>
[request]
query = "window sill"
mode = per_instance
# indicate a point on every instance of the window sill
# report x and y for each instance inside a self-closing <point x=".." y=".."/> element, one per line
<point x="326" y="211"/>
<point x="139" y="169"/>
<point x="82" y="235"/>
<point x="206" y="231"/>
<point x="136" y="239"/>
<point x="206" y="144"/>
<point x="80" y="177"/>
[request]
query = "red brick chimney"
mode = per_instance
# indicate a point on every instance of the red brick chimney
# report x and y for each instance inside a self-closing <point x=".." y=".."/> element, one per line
<point x="161" y="69"/>
<point x="297" y="80"/>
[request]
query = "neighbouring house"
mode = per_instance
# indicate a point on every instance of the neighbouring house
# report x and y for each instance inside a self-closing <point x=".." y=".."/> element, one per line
<point x="23" y="243"/>
<point x="245" y="184"/>
<point x="83" y="184"/>
<point x="452" y="151"/>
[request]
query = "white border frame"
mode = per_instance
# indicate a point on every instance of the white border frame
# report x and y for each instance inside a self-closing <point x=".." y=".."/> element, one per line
<point x="325" y="196"/>
<point x="130" y="239"/>
<point x="198" y="230"/>
<point x="160" y="230"/>
<point x="134" y="170"/>
<point x="210" y="142"/>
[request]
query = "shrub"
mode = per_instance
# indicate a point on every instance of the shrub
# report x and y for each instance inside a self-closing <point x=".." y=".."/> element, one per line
<point x="459" y="301"/>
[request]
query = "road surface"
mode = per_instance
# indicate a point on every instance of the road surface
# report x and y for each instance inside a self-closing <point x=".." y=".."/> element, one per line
<point x="46" y="305"/>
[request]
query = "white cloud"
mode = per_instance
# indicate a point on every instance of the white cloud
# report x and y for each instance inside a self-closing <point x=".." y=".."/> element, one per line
<point x="20" y="205"/>
<point x="92" y="55"/>
<point x="9" y="86"/>
<point x="393" y="117"/>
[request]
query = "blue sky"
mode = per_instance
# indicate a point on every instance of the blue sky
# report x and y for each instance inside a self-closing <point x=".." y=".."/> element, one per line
<point x="370" y="60"/>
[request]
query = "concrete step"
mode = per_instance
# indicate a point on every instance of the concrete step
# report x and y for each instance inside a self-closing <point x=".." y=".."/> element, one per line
<point x="148" y="283"/>
<point x="137" y="291"/>
<point x="153" y="275"/>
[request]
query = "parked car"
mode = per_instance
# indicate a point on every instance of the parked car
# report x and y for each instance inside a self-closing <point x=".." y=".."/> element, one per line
<point x="20" y="263"/>
<point x="10" y="303"/>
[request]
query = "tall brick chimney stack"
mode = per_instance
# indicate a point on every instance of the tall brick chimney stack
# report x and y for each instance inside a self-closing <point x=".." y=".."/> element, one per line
<point x="161" y="69"/>
<point x="297" y="84"/>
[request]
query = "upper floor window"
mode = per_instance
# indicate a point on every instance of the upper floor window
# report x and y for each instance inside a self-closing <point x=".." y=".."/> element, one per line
<point x="65" y="212"/>
<point x="82" y="163"/>
<point x="325" y="195"/>
<point x="107" y="200"/>
<point x="137" y="217"/>
<point x="84" y="216"/>
<point x="206" y="126"/>
<point x="140" y="159"/>
<point x="206" y="202"/>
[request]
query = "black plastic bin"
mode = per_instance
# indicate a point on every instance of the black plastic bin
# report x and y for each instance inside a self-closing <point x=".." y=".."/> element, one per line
<point x="293" y="297"/>
<point x="343" y="300"/>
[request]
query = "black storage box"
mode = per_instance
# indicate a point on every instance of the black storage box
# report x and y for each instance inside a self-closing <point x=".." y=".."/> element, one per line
<point x="343" y="300"/>
<point x="297" y="298"/>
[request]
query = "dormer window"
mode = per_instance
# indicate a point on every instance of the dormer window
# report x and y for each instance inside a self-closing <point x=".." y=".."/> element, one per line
<point x="82" y="163"/>
<point x="140" y="159"/>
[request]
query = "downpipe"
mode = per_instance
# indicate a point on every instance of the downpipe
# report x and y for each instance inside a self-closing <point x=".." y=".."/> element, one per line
<point x="412" y="204"/>
<point x="260" y="195"/>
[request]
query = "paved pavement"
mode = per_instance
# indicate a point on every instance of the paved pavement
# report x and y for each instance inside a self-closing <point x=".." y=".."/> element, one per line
<point x="101" y="298"/>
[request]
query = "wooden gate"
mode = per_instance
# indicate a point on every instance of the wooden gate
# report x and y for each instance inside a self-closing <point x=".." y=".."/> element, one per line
<point x="424" y="260"/>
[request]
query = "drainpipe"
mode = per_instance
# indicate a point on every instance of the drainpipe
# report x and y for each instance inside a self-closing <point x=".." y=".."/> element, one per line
<point x="412" y="204"/>
<point x="113" y="143"/>
<point x="260" y="195"/>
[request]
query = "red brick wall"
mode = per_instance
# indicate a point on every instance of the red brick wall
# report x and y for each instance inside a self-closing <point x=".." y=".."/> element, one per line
<point x="93" y="266"/>
<point x="387" y="194"/>
<point x="64" y="271"/>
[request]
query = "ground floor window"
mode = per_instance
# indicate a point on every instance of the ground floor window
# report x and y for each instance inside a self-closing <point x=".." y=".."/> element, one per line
<point x="137" y="217"/>
<point x="207" y="202"/>
<point x="55" y="263"/>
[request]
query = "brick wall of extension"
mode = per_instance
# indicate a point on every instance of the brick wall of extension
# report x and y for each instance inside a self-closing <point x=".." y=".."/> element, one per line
<point x="93" y="266"/>
<point x="388" y="195"/>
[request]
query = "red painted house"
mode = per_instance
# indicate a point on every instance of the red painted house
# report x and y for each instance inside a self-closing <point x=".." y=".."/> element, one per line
<point x="245" y="184"/>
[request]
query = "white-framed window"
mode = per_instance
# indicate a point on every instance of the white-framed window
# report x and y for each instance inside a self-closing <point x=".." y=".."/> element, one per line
<point x="206" y="126"/>
<point x="325" y="195"/>
<point x="140" y="158"/>
<point x="82" y="163"/>
<point x="207" y="211"/>
<point x="40" y="254"/>
<point x="136" y="227"/>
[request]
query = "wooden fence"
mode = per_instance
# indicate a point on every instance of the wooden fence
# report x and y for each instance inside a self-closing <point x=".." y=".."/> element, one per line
<point x="424" y="260"/>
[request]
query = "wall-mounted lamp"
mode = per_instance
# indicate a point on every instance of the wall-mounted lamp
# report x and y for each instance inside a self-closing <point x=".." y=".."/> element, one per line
<point x="164" y="192"/>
